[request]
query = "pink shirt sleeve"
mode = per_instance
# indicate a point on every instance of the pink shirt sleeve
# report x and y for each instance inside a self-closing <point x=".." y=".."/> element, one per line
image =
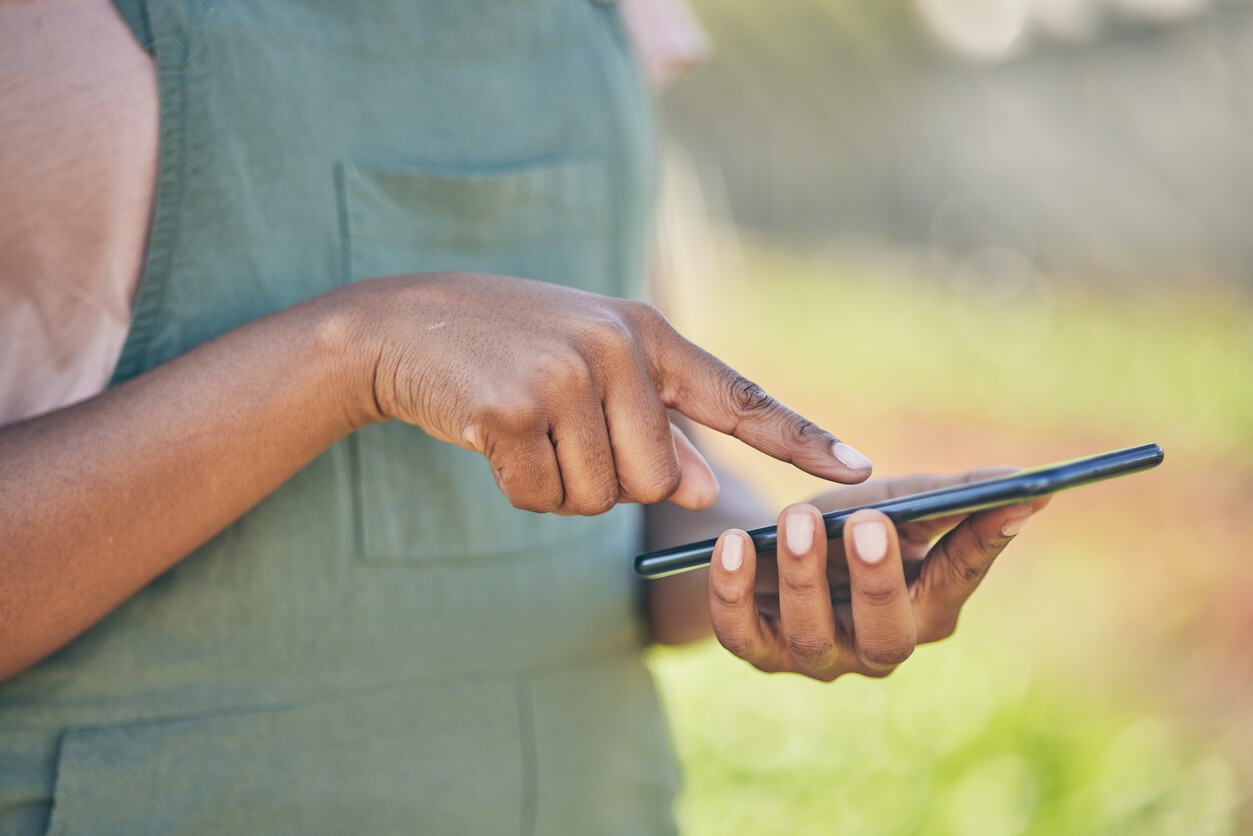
<point x="78" y="159"/>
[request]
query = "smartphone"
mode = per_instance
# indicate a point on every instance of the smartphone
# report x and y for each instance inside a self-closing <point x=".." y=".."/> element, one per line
<point x="1021" y="486"/>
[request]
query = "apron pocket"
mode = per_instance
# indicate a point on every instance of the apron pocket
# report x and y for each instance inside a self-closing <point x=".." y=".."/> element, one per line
<point x="548" y="221"/>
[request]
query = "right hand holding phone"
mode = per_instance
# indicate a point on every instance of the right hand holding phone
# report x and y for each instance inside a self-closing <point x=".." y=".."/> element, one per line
<point x="863" y="603"/>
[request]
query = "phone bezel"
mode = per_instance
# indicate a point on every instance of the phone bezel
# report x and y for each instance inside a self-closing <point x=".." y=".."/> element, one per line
<point x="1020" y="486"/>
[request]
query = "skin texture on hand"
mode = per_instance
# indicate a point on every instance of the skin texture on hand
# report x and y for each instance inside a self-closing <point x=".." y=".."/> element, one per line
<point x="861" y="604"/>
<point x="566" y="392"/>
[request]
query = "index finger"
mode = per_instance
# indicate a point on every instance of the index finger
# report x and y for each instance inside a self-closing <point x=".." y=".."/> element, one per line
<point x="710" y="392"/>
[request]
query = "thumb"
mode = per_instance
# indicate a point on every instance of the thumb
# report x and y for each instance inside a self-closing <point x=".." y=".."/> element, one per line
<point x="698" y="486"/>
<point x="702" y="387"/>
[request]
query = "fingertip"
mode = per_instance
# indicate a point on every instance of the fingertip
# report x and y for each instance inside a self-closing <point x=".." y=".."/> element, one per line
<point x="799" y="525"/>
<point x="1015" y="518"/>
<point x="836" y="461"/>
<point x="869" y="535"/>
<point x="698" y="489"/>
<point x="731" y="549"/>
<point x="698" y="484"/>
<point x="732" y="575"/>
<point x="852" y="459"/>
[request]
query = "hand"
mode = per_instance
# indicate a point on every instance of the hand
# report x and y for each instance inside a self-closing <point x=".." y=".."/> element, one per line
<point x="566" y="392"/>
<point x="860" y="604"/>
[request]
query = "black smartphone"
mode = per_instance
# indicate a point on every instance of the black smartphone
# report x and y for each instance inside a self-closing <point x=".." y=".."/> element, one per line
<point x="1021" y="486"/>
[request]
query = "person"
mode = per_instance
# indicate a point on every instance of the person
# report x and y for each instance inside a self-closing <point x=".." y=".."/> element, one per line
<point x="345" y="543"/>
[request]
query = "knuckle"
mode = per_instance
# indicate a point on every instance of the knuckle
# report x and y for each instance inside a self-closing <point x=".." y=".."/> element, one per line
<point x="607" y="333"/>
<point x="614" y="330"/>
<point x="567" y="371"/>
<point x="794" y="429"/>
<point x="527" y="491"/>
<point x="967" y="556"/>
<point x="750" y="402"/>
<point x="887" y="655"/>
<point x="536" y="503"/>
<point x="644" y="313"/>
<point x="963" y="571"/>
<point x="736" y="642"/>
<point x="810" y="651"/>
<point x="804" y="578"/>
<point x="879" y="592"/>
<point x="805" y="587"/>
<point x="661" y="483"/>
<point x="512" y="415"/>
<point x="727" y="596"/>
<point x="747" y="397"/>
<point x="800" y="430"/>
<point x="986" y="547"/>
<point x="473" y="436"/>
<point x="594" y="504"/>
<point x="973" y="574"/>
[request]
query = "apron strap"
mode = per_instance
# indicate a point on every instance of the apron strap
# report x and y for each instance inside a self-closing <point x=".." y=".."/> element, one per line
<point x="135" y="13"/>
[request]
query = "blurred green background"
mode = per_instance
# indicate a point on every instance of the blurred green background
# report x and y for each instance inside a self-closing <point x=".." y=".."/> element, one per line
<point x="962" y="236"/>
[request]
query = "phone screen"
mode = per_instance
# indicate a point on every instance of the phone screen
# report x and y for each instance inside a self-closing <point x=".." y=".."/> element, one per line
<point x="1020" y="486"/>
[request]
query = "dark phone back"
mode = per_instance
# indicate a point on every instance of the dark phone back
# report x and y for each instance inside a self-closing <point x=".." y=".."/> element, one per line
<point x="976" y="496"/>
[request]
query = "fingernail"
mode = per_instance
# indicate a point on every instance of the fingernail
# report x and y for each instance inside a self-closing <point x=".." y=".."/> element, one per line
<point x="732" y="553"/>
<point x="871" y="541"/>
<point x="849" y="457"/>
<point x="800" y="532"/>
<point x="1013" y="526"/>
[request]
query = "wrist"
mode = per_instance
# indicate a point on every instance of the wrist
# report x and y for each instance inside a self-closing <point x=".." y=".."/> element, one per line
<point x="345" y="344"/>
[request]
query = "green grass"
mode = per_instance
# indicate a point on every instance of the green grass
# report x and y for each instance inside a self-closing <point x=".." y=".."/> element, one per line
<point x="961" y="740"/>
<point x="1060" y="707"/>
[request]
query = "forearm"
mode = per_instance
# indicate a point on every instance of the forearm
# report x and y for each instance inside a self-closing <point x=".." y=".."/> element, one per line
<point x="678" y="605"/>
<point x="99" y="498"/>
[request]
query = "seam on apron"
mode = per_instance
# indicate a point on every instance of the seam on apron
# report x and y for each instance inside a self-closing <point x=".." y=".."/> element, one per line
<point x="171" y="60"/>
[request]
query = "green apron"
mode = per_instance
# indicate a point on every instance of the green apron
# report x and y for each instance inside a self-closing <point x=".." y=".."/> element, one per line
<point x="385" y="645"/>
